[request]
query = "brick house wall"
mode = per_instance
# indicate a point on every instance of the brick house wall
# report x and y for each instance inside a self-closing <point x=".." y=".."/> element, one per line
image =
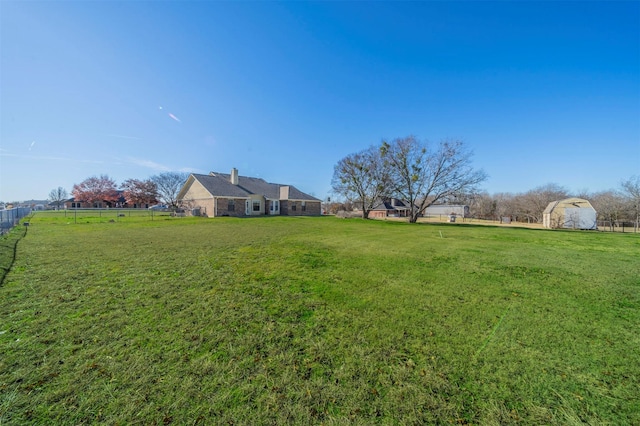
<point x="316" y="208"/>
<point x="313" y="208"/>
<point x="377" y="213"/>
<point x="222" y="207"/>
<point x="219" y="206"/>
<point x="75" y="205"/>
<point x="284" y="207"/>
<point x="296" y="208"/>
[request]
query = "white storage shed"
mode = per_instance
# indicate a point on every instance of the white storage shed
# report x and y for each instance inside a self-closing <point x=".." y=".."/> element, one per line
<point x="571" y="213"/>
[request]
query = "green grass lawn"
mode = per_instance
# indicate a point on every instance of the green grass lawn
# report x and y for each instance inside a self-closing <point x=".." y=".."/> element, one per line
<point x="317" y="320"/>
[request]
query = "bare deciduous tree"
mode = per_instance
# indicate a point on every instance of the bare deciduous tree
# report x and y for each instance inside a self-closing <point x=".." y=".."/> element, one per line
<point x="168" y="185"/>
<point x="362" y="179"/>
<point x="631" y="188"/>
<point x="58" y="196"/>
<point x="610" y="206"/>
<point x="531" y="204"/>
<point x="336" y="206"/>
<point x="505" y="205"/>
<point x="483" y="206"/>
<point x="423" y="177"/>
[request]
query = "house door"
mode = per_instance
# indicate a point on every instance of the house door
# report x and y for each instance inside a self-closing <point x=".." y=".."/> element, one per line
<point x="275" y="207"/>
<point x="247" y="211"/>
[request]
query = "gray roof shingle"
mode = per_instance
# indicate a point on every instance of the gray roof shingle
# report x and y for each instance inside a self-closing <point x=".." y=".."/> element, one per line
<point x="387" y="204"/>
<point x="219" y="185"/>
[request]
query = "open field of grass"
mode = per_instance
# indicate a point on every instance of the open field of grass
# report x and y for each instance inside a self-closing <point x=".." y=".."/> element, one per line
<point x="278" y="320"/>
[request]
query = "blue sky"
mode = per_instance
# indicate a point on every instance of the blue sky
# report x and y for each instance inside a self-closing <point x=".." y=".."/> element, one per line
<point x="542" y="92"/>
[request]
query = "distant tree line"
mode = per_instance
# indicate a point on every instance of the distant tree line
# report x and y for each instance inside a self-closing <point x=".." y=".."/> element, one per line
<point x="613" y="206"/>
<point x="162" y="188"/>
<point x="421" y="175"/>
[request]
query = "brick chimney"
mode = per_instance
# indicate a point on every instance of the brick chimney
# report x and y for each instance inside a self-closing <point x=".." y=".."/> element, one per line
<point x="234" y="176"/>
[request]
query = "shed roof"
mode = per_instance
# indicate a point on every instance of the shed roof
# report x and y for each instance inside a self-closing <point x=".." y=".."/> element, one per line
<point x="572" y="202"/>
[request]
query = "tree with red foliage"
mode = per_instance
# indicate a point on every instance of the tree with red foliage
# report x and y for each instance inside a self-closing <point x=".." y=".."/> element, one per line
<point x="96" y="190"/>
<point x="140" y="192"/>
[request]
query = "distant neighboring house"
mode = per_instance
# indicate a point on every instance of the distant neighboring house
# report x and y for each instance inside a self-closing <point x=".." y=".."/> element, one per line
<point x="390" y="207"/>
<point x="571" y="213"/>
<point x="72" y="203"/>
<point x="33" y="204"/>
<point x="393" y="207"/>
<point x="221" y="194"/>
<point x="121" y="203"/>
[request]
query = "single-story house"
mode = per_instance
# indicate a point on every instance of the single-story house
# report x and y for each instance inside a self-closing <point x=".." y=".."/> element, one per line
<point x="390" y="207"/>
<point x="120" y="203"/>
<point x="72" y="203"/>
<point x="221" y="194"/>
<point x="393" y="207"/>
<point x="572" y="213"/>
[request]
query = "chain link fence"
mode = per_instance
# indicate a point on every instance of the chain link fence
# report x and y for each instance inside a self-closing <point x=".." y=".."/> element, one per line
<point x="11" y="217"/>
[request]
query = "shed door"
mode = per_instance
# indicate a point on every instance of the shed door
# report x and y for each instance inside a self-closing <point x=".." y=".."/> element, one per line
<point x="580" y="218"/>
<point x="572" y="217"/>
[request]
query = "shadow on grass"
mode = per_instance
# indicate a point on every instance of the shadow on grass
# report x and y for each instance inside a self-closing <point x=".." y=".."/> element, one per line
<point x="8" y="249"/>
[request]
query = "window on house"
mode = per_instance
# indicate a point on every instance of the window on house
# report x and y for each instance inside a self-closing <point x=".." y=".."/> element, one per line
<point x="304" y="206"/>
<point x="231" y="206"/>
<point x="293" y="207"/>
<point x="256" y="206"/>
